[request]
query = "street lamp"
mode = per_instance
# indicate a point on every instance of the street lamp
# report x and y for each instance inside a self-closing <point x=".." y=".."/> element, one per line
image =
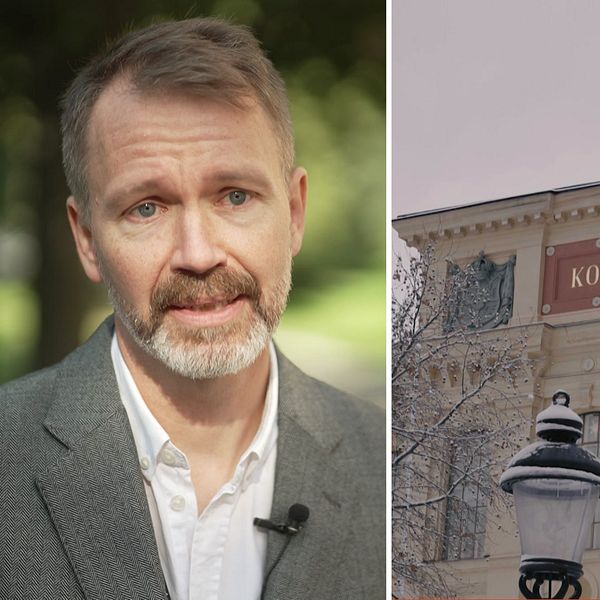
<point x="555" y="484"/>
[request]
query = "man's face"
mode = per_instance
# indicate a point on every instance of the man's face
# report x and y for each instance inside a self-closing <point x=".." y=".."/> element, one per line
<point x="193" y="226"/>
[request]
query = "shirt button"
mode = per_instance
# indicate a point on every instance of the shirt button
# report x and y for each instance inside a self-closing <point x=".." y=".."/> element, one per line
<point x="168" y="457"/>
<point x="178" y="503"/>
<point x="145" y="462"/>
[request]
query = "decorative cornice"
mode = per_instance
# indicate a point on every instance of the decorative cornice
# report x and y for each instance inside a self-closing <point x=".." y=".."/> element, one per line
<point x="548" y="208"/>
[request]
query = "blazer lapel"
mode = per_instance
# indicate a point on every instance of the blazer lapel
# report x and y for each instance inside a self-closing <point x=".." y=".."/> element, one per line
<point x="95" y="492"/>
<point x="307" y="474"/>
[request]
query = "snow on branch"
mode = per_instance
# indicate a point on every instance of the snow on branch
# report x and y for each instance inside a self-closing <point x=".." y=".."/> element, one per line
<point x="455" y="414"/>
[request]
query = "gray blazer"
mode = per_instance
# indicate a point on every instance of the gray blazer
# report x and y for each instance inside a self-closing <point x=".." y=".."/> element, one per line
<point x="74" y="520"/>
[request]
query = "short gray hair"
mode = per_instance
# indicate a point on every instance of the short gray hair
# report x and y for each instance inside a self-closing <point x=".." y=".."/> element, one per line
<point x="203" y="56"/>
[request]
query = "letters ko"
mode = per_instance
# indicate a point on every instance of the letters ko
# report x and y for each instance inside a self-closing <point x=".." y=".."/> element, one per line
<point x="581" y="276"/>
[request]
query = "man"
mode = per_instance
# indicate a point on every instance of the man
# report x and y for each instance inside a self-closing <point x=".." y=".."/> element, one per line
<point x="136" y="467"/>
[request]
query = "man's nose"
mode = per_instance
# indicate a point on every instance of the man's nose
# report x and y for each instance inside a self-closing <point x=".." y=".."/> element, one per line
<point x="198" y="244"/>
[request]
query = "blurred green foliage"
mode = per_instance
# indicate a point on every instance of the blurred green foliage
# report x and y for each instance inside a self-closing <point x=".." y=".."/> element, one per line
<point x="18" y="328"/>
<point x="332" y="55"/>
<point x="358" y="323"/>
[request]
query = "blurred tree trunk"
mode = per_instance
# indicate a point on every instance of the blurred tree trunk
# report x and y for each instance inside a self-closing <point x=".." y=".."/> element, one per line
<point x="61" y="287"/>
<point x="63" y="291"/>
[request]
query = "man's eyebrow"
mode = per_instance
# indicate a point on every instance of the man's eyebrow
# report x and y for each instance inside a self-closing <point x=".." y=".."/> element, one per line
<point x="247" y="176"/>
<point x="115" y="195"/>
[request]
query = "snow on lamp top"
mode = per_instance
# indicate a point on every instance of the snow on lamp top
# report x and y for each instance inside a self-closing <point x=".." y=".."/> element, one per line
<point x="556" y="455"/>
<point x="558" y="423"/>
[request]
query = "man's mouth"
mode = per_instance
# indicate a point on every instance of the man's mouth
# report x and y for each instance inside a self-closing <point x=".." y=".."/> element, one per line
<point x="211" y="301"/>
<point x="204" y="305"/>
<point x="208" y="312"/>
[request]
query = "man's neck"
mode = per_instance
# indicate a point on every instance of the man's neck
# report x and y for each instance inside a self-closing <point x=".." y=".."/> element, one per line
<point x="204" y="418"/>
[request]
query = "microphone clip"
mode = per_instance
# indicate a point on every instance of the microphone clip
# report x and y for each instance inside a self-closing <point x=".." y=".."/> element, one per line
<point x="297" y="517"/>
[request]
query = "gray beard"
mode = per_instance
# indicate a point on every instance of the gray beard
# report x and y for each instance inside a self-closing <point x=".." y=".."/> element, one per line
<point x="199" y="360"/>
<point x="205" y="353"/>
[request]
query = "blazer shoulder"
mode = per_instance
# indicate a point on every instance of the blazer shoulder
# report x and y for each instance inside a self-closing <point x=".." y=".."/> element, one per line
<point x="39" y="388"/>
<point x="349" y="408"/>
<point x="34" y="389"/>
<point x="362" y="422"/>
<point x="322" y="409"/>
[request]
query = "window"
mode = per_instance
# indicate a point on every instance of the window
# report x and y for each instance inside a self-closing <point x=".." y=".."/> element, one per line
<point x="591" y="442"/>
<point x="466" y="507"/>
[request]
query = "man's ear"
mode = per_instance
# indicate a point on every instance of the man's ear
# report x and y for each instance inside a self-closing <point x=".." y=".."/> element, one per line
<point x="298" y="195"/>
<point x="83" y="240"/>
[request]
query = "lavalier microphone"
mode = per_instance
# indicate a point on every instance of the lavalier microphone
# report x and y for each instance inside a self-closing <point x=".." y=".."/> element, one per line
<point x="297" y="516"/>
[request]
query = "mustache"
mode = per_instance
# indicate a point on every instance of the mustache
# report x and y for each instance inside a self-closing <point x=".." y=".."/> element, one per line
<point x="186" y="288"/>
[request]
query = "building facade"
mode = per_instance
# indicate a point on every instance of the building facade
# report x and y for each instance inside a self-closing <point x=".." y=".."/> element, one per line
<point x="553" y="240"/>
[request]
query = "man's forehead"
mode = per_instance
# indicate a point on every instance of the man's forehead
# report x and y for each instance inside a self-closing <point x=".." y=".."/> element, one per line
<point x="127" y="121"/>
<point x="122" y="97"/>
<point x="119" y="106"/>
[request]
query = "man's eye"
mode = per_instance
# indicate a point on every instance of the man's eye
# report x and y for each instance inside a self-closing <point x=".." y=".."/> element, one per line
<point x="237" y="197"/>
<point x="148" y="209"/>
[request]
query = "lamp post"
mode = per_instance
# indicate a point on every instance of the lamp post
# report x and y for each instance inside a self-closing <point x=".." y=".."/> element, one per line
<point x="555" y="484"/>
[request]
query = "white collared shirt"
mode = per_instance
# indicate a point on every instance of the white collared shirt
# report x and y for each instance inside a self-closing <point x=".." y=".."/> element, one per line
<point x="219" y="554"/>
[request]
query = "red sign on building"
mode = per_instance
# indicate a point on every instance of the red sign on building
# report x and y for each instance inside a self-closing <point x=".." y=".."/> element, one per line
<point x="571" y="277"/>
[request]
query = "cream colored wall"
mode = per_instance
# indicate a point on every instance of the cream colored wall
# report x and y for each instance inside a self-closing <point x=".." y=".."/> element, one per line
<point x="564" y="348"/>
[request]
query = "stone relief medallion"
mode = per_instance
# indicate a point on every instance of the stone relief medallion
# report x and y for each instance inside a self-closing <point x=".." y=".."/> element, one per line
<point x="483" y="296"/>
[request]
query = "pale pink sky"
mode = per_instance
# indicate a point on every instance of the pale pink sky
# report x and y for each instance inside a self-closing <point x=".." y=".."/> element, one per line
<point x="492" y="98"/>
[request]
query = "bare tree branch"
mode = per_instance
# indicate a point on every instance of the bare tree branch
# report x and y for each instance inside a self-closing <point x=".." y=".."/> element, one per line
<point x="455" y="414"/>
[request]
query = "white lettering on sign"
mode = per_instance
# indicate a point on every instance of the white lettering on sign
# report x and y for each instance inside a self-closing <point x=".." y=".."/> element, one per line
<point x="581" y="276"/>
<point x="596" y="271"/>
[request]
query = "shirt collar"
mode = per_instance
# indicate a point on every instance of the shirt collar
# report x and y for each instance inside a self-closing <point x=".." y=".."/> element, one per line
<point x="148" y="434"/>
<point x="150" y="437"/>
<point x="266" y="436"/>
